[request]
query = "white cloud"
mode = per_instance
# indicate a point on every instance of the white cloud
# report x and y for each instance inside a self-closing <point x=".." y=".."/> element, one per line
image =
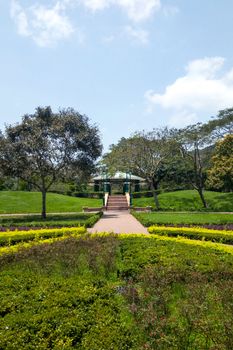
<point x="136" y="10"/>
<point x="20" y="18"/>
<point x="204" y="89"/>
<point x="137" y="34"/>
<point x="139" y="10"/>
<point x="95" y="5"/>
<point x="45" y="25"/>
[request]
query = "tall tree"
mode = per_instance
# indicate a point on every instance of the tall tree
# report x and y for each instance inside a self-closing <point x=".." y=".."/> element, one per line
<point x="47" y="145"/>
<point x="147" y="154"/>
<point x="221" y="125"/>
<point x="220" y="175"/>
<point x="194" y="138"/>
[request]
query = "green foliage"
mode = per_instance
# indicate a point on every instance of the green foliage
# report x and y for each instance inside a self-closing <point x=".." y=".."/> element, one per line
<point x="67" y="220"/>
<point x="65" y="299"/>
<point x="47" y="146"/>
<point x="117" y="292"/>
<point x="180" y="295"/>
<point x="29" y="202"/>
<point x="13" y="237"/>
<point x="220" y="176"/>
<point x="221" y="125"/>
<point x="147" y="154"/>
<point x="189" y="201"/>
<point x="163" y="218"/>
<point x="220" y="236"/>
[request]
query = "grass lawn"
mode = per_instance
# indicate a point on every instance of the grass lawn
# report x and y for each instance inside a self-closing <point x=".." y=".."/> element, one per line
<point x="117" y="292"/>
<point x="30" y="202"/>
<point x="189" y="201"/>
<point x="171" y="218"/>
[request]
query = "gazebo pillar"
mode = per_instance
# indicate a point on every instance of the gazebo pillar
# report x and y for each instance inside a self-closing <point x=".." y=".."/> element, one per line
<point x="137" y="186"/>
<point x="96" y="186"/>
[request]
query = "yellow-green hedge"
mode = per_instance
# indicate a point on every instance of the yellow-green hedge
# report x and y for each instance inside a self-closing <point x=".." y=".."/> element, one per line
<point x="221" y="236"/>
<point x="14" y="237"/>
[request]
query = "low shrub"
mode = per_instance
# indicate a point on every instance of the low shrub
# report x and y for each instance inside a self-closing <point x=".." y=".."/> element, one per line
<point x="124" y="292"/>
<point x="93" y="219"/>
<point x="68" y="220"/>
<point x="143" y="194"/>
<point x="14" y="237"/>
<point x="199" y="233"/>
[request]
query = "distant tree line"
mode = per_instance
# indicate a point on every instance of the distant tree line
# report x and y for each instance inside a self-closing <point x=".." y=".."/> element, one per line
<point x="47" y="148"/>
<point x="198" y="156"/>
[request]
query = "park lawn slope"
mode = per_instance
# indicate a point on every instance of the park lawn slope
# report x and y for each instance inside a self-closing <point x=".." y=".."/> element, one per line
<point x="189" y="201"/>
<point x="30" y="202"/>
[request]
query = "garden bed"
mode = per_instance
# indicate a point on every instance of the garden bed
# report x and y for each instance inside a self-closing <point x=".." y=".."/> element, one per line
<point x="123" y="292"/>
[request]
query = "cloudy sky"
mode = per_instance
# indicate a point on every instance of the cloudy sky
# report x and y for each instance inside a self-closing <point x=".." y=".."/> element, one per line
<point x="127" y="64"/>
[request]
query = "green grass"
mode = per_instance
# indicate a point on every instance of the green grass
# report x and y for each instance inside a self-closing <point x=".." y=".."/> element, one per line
<point x="164" y="218"/>
<point x="189" y="201"/>
<point x="117" y="292"/>
<point x="30" y="202"/>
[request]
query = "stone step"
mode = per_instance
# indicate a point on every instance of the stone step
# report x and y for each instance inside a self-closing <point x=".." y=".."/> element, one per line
<point x="117" y="201"/>
<point x="117" y="208"/>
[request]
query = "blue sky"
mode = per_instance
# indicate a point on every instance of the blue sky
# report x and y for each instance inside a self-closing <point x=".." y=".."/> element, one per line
<point x="127" y="64"/>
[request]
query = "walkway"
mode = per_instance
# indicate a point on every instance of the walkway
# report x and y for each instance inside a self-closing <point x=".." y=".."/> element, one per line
<point x="118" y="222"/>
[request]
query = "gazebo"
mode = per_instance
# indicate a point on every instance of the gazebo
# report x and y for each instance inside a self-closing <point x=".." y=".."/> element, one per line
<point x="124" y="182"/>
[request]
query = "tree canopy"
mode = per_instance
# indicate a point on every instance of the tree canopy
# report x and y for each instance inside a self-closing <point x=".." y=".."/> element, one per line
<point x="220" y="175"/>
<point x="46" y="146"/>
<point x="147" y="154"/>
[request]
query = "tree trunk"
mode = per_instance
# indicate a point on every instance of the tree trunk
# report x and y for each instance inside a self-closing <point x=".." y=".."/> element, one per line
<point x="43" y="213"/>
<point x="154" y="186"/>
<point x="200" y="191"/>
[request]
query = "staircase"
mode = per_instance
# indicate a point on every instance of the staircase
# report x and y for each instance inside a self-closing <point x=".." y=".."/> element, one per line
<point x="118" y="202"/>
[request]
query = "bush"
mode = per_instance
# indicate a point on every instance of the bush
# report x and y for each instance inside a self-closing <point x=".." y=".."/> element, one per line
<point x="52" y="221"/>
<point x="199" y="233"/>
<point x="144" y="194"/>
<point x="96" y="195"/>
<point x="14" y="237"/>
<point x="124" y="292"/>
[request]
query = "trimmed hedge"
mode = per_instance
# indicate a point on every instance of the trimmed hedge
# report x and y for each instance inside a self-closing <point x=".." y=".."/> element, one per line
<point x="220" y="236"/>
<point x="97" y="195"/>
<point x="143" y="194"/>
<point x="14" y="237"/>
<point x="55" y="221"/>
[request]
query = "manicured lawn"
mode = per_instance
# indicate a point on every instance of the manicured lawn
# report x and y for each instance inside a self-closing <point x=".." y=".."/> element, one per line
<point x="30" y="202"/>
<point x="117" y="292"/>
<point x="165" y="218"/>
<point x="189" y="201"/>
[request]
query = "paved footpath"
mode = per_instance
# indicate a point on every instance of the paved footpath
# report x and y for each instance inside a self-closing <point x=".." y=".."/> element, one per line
<point x="118" y="222"/>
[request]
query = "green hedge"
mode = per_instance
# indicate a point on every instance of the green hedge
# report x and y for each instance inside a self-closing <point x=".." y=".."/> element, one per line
<point x="97" y="195"/>
<point x="14" y="237"/>
<point x="67" y="220"/>
<point x="143" y="194"/>
<point x="220" y="236"/>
